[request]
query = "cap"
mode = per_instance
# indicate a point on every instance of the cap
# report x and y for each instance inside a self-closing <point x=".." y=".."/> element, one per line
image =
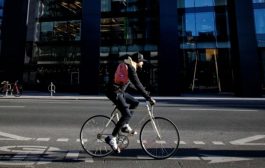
<point x="138" y="57"/>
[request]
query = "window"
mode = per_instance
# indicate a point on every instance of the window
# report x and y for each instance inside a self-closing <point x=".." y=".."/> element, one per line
<point x="60" y="8"/>
<point x="200" y="3"/>
<point x="259" y="15"/>
<point x="199" y="23"/>
<point x="260" y="21"/>
<point x="60" y="31"/>
<point x="258" y="1"/>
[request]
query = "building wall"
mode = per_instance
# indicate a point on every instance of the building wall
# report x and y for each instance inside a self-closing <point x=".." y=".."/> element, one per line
<point x="13" y="40"/>
<point x="195" y="43"/>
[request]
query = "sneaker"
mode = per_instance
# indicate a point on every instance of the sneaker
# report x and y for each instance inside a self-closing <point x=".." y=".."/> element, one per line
<point x="112" y="142"/>
<point x="128" y="130"/>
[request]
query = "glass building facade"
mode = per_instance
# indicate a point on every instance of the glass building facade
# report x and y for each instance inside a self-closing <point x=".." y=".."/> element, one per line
<point x="190" y="45"/>
<point x="1" y="18"/>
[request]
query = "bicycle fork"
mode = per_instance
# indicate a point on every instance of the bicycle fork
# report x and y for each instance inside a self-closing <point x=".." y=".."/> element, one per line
<point x="151" y="114"/>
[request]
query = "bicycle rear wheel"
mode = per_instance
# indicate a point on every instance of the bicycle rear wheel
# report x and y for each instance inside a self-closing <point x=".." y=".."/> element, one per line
<point x="2" y="92"/>
<point x="93" y="134"/>
<point x="17" y="91"/>
<point x="159" y="147"/>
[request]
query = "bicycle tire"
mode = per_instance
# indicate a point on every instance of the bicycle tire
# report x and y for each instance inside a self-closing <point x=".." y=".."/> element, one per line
<point x="154" y="146"/>
<point x="90" y="138"/>
<point x="2" y="92"/>
<point x="17" y="91"/>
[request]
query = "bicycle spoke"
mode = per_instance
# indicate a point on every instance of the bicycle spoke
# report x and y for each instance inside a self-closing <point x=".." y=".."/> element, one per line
<point x="92" y="137"/>
<point x="159" y="147"/>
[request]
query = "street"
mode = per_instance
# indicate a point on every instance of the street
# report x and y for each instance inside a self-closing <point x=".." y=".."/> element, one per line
<point x="44" y="133"/>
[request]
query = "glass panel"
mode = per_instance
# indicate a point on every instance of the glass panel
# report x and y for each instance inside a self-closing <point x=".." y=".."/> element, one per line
<point x="260" y="26"/>
<point x="56" y="53"/>
<point x="205" y="46"/>
<point x="57" y="8"/>
<point x="258" y="1"/>
<point x="60" y="31"/>
<point x="199" y="27"/>
<point x="260" y="21"/>
<point x="262" y="54"/>
<point x="200" y="3"/>
<point x="1" y="18"/>
<point x="123" y="6"/>
<point x="2" y="3"/>
<point x="126" y="28"/>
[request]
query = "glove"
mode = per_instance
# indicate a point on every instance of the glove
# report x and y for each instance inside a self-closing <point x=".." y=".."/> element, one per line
<point x="152" y="101"/>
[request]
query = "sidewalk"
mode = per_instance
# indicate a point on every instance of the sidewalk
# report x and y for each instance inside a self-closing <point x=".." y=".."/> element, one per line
<point x="207" y="100"/>
<point x="77" y="96"/>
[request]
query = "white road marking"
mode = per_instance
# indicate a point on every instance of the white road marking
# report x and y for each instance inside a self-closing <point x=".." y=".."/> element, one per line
<point x="248" y="141"/>
<point x="181" y="142"/>
<point x="72" y="155"/>
<point x="12" y="106"/>
<point x="62" y="140"/>
<point x="22" y="158"/>
<point x="199" y="142"/>
<point x="13" y="137"/>
<point x="218" y="143"/>
<point x="43" y="139"/>
<point x="222" y="159"/>
<point x="144" y="141"/>
<point x="161" y="142"/>
<point x="213" y="109"/>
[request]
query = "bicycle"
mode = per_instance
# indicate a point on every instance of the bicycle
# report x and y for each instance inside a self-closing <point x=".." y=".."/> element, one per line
<point x="5" y="88"/>
<point x="16" y="89"/>
<point x="159" y="137"/>
<point x="10" y="88"/>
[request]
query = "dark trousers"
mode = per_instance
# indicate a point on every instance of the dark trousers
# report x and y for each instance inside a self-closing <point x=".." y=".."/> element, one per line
<point x="124" y="102"/>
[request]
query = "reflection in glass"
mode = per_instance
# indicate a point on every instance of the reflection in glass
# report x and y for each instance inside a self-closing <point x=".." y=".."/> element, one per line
<point x="258" y="1"/>
<point x="2" y="3"/>
<point x="129" y="26"/>
<point x="57" y="8"/>
<point x="60" y="31"/>
<point x="260" y="20"/>
<point x="198" y="23"/>
<point x="200" y="3"/>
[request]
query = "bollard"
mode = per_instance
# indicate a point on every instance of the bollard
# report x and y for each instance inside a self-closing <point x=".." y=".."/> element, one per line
<point x="51" y="88"/>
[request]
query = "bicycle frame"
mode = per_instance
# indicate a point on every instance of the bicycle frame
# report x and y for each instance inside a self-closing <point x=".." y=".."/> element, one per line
<point x="150" y="115"/>
<point x="6" y="87"/>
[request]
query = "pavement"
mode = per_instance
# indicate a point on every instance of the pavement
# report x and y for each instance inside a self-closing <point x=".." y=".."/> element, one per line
<point x="183" y="97"/>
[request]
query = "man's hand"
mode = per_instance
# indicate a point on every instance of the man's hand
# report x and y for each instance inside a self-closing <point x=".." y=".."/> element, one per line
<point x="152" y="101"/>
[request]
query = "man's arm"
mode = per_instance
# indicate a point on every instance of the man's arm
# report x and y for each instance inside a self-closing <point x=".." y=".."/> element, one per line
<point x="136" y="82"/>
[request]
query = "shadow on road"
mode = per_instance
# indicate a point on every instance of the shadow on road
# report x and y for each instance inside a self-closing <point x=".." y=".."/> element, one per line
<point x="128" y="154"/>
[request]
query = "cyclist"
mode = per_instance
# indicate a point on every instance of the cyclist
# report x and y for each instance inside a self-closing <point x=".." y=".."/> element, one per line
<point x="125" y="101"/>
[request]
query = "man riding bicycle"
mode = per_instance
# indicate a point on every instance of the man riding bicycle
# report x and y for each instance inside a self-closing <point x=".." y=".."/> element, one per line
<point x="116" y="92"/>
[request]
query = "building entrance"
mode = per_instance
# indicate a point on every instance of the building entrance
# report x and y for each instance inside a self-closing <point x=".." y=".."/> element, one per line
<point x="203" y="70"/>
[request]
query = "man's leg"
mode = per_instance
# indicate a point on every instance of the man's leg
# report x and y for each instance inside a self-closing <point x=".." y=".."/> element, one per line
<point x="125" y="112"/>
<point x="131" y="100"/>
<point x="133" y="105"/>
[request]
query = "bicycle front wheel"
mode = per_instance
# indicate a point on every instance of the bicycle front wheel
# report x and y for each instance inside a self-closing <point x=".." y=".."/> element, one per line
<point x="160" y="139"/>
<point x="93" y="134"/>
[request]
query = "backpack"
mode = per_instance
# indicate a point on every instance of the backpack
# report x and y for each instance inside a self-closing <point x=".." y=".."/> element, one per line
<point x="121" y="74"/>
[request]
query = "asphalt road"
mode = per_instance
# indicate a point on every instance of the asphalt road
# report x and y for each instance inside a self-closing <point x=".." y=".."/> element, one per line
<point x="45" y="133"/>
